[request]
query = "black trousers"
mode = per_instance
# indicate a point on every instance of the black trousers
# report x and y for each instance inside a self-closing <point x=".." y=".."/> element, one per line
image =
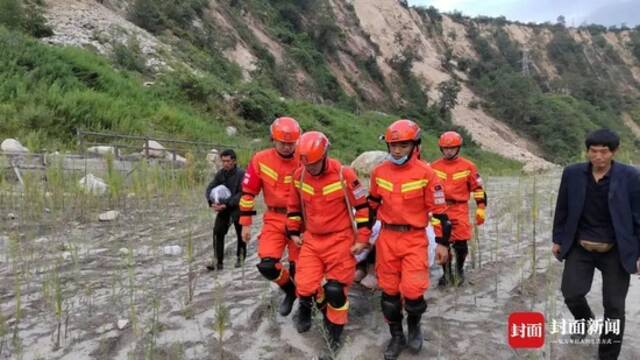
<point x="220" y="229"/>
<point x="576" y="283"/>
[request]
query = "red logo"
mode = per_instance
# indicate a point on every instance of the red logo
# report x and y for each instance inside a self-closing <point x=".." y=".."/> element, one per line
<point x="526" y="330"/>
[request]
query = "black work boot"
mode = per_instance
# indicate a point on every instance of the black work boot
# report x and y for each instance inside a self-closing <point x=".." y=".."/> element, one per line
<point x="445" y="280"/>
<point x="414" y="338"/>
<point x="461" y="256"/>
<point x="290" y="297"/>
<point x="397" y="343"/>
<point x="459" y="277"/>
<point x="303" y="317"/>
<point x="333" y="334"/>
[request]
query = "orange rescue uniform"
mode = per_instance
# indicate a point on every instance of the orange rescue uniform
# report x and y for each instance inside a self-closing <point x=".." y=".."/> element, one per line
<point x="318" y="203"/>
<point x="271" y="173"/>
<point x="460" y="177"/>
<point x="404" y="196"/>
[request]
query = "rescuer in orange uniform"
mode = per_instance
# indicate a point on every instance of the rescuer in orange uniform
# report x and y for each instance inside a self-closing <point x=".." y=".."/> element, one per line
<point x="271" y="171"/>
<point x="324" y="199"/>
<point x="404" y="190"/>
<point x="460" y="177"/>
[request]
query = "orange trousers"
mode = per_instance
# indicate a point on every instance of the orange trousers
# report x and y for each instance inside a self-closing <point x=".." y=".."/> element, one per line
<point x="272" y="241"/>
<point x="460" y="227"/>
<point x="401" y="263"/>
<point x="329" y="257"/>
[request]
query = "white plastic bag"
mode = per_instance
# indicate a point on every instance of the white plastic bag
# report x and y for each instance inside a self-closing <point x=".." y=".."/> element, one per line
<point x="219" y="193"/>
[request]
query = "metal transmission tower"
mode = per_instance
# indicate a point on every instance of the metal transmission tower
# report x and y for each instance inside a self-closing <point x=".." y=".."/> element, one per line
<point x="526" y="62"/>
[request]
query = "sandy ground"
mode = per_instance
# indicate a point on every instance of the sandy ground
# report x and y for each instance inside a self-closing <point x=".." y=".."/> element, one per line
<point x="232" y="314"/>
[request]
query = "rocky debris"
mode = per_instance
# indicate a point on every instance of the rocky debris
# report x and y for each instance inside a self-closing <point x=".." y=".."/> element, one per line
<point x="90" y="24"/>
<point x="109" y="216"/>
<point x="13" y="146"/>
<point x="102" y="150"/>
<point x="366" y="161"/>
<point x="93" y="184"/>
<point x="172" y="250"/>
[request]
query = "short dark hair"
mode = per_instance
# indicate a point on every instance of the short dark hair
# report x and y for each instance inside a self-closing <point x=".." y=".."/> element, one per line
<point x="228" y="152"/>
<point x="603" y="137"/>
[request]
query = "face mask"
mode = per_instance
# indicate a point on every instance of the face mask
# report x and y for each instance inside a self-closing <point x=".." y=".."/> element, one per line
<point x="400" y="161"/>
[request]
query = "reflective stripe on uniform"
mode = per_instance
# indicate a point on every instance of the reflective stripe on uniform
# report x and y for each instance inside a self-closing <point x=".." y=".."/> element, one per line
<point x="344" y="307"/>
<point x="332" y="188"/>
<point x="385" y="184"/>
<point x="305" y="187"/>
<point x="413" y="185"/>
<point x="268" y="171"/>
<point x="461" y="174"/>
<point x="247" y="203"/>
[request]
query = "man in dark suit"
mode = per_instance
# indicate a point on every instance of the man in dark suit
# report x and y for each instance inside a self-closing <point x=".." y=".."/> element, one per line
<point x="597" y="225"/>
<point x="228" y="210"/>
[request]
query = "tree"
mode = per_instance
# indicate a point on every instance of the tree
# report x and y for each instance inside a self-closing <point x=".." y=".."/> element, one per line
<point x="561" y="20"/>
<point x="448" y="95"/>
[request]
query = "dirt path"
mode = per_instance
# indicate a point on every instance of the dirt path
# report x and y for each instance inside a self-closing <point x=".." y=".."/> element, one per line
<point x="80" y="267"/>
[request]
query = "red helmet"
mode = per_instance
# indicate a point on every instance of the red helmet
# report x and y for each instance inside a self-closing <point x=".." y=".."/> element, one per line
<point x="285" y="129"/>
<point x="402" y="130"/>
<point x="450" y="139"/>
<point x="313" y="147"/>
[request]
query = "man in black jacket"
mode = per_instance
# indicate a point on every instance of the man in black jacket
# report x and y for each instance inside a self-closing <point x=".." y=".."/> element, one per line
<point x="597" y="225"/>
<point x="227" y="210"/>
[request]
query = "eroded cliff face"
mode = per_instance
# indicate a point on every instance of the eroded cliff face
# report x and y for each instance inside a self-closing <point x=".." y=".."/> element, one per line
<point x="379" y="34"/>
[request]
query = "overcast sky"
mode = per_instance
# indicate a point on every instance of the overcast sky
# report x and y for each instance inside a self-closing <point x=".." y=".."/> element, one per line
<point x="576" y="12"/>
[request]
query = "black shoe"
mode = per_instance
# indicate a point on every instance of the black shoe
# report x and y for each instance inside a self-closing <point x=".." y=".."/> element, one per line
<point x="414" y="338"/>
<point x="446" y="278"/>
<point x="397" y="343"/>
<point x="581" y="335"/>
<point x="212" y="267"/>
<point x="219" y="267"/>
<point x="303" y="317"/>
<point x="459" y="279"/>
<point x="238" y="263"/>
<point x="443" y="282"/>
<point x="290" y="297"/>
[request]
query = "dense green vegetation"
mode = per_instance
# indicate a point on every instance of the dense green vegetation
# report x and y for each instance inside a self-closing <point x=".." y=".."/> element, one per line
<point x="47" y="92"/>
<point x="557" y="115"/>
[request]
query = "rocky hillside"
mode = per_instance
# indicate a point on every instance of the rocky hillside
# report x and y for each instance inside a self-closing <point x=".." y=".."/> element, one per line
<point x="528" y="92"/>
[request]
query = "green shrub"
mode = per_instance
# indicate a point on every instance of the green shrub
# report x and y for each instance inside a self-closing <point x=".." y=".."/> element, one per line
<point x="129" y="56"/>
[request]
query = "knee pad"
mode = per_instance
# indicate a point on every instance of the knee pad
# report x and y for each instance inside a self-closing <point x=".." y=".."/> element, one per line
<point x="334" y="293"/>
<point x="267" y="267"/>
<point x="415" y="307"/>
<point x="391" y="307"/>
